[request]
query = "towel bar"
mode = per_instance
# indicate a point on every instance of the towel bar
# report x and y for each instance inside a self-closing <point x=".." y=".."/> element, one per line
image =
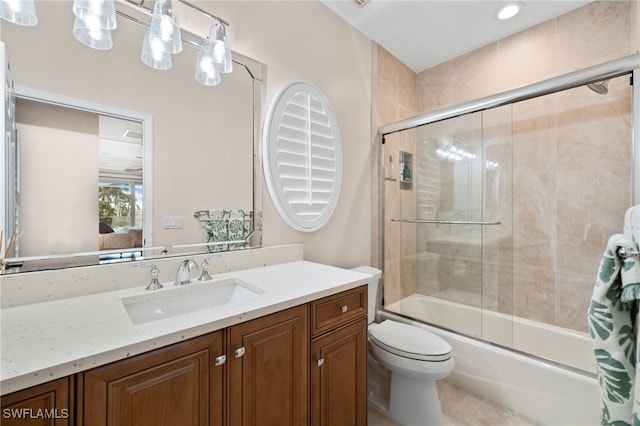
<point x="203" y="216"/>
<point x="624" y="252"/>
<point x="448" y="222"/>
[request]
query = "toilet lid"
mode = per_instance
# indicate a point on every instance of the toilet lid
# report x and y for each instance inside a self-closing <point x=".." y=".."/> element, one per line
<point x="410" y="342"/>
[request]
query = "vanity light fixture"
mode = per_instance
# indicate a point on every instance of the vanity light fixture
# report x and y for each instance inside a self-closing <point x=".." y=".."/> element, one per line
<point x="509" y="10"/>
<point x="214" y="57"/>
<point x="99" y="13"/>
<point x="220" y="49"/>
<point x="21" y="12"/>
<point x="164" y="29"/>
<point x="93" y="23"/>
<point x="206" y="72"/>
<point x="153" y="53"/>
<point x="95" y="19"/>
<point x="164" y="38"/>
<point x="454" y="152"/>
<point x="88" y="33"/>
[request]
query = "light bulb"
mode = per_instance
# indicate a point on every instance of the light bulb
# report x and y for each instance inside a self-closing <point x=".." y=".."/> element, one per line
<point x="206" y="72"/>
<point x="157" y="49"/>
<point x="14" y="5"/>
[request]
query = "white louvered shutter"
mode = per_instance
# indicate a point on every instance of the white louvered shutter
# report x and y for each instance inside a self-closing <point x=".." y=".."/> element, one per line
<point x="302" y="156"/>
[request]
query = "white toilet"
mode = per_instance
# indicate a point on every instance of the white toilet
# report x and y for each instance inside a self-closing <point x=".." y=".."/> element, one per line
<point x="415" y="357"/>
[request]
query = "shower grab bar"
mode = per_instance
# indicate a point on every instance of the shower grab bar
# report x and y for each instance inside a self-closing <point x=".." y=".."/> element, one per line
<point x="625" y="253"/>
<point x="448" y="222"/>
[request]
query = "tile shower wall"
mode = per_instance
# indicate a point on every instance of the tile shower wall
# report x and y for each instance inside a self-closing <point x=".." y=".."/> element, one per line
<point x="393" y="98"/>
<point x="564" y="208"/>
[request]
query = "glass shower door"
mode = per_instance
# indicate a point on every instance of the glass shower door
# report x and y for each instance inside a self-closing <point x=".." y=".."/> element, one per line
<point x="444" y="227"/>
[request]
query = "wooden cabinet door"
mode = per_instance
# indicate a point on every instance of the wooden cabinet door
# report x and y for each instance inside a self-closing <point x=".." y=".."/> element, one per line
<point x="178" y="385"/>
<point x="268" y="370"/>
<point x="48" y="404"/>
<point x="339" y="376"/>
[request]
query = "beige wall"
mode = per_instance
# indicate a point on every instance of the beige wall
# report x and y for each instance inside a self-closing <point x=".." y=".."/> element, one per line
<point x="635" y="27"/>
<point x="304" y="40"/>
<point x="299" y="40"/>
<point x="567" y="200"/>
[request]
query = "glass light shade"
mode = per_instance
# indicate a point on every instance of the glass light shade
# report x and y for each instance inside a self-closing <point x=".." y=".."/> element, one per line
<point x="153" y="53"/>
<point x="103" y="12"/>
<point x="90" y="34"/>
<point x="164" y="26"/>
<point x="21" y="12"/>
<point x="205" y="71"/>
<point x="221" y="51"/>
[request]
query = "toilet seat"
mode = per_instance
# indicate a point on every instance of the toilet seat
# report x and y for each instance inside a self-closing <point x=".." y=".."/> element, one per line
<point x="409" y="341"/>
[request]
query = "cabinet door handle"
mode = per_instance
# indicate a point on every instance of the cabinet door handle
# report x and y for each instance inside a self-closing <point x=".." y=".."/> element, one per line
<point x="344" y="308"/>
<point x="221" y="359"/>
<point x="320" y="362"/>
<point x="239" y="352"/>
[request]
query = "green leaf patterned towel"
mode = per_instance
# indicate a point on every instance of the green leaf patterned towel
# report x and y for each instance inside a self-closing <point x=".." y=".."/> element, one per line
<point x="228" y="225"/>
<point x="613" y="325"/>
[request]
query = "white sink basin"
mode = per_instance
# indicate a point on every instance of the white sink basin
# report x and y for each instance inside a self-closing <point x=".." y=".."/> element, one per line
<point x="192" y="297"/>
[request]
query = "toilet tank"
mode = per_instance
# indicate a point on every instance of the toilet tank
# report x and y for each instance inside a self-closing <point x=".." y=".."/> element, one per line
<point x="372" y="289"/>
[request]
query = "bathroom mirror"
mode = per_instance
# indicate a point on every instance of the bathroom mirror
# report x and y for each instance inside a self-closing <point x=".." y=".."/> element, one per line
<point x="202" y="153"/>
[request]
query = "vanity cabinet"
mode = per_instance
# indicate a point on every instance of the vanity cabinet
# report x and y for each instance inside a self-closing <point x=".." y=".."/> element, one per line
<point x="339" y="359"/>
<point x="48" y="404"/>
<point x="268" y="370"/>
<point x="300" y="366"/>
<point x="185" y="384"/>
<point x="178" y="385"/>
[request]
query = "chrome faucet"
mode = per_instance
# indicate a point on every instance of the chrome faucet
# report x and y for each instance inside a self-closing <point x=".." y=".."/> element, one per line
<point x="154" y="284"/>
<point x="184" y="272"/>
<point x="205" y="268"/>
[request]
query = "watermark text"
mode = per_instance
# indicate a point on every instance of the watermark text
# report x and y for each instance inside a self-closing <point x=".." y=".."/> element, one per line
<point x="32" y="413"/>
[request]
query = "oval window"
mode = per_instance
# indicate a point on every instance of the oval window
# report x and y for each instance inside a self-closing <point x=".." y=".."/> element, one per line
<point x="302" y="156"/>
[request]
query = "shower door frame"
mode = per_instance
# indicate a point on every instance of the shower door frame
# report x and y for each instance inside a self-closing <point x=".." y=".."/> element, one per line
<point x="616" y="68"/>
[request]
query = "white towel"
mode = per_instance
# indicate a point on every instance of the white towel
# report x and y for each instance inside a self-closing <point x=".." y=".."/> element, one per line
<point x="632" y="223"/>
<point x="613" y="325"/>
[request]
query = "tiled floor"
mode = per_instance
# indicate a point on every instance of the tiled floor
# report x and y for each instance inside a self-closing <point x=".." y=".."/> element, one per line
<point x="462" y="408"/>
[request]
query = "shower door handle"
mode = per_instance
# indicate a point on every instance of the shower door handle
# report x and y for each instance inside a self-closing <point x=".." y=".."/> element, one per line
<point x="449" y="222"/>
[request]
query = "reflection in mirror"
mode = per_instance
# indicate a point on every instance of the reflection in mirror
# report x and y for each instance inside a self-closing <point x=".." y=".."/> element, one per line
<point x="204" y="144"/>
<point x="91" y="181"/>
<point x="120" y="189"/>
<point x="79" y="179"/>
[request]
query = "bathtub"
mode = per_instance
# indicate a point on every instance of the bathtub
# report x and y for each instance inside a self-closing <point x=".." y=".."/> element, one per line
<point x="544" y="391"/>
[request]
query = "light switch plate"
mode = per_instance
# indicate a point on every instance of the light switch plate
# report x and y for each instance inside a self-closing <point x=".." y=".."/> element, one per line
<point x="173" y="222"/>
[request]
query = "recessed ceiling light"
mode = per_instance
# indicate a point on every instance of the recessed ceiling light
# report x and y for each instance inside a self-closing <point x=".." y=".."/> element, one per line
<point x="509" y="10"/>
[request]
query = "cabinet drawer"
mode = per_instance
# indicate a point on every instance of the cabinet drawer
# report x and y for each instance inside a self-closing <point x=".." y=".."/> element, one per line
<point x="338" y="309"/>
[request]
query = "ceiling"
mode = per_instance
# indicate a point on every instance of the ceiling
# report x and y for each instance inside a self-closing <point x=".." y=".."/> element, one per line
<point x="424" y="33"/>
<point x="120" y="149"/>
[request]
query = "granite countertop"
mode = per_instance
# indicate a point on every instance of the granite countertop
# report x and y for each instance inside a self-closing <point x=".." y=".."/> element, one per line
<point x="48" y="340"/>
